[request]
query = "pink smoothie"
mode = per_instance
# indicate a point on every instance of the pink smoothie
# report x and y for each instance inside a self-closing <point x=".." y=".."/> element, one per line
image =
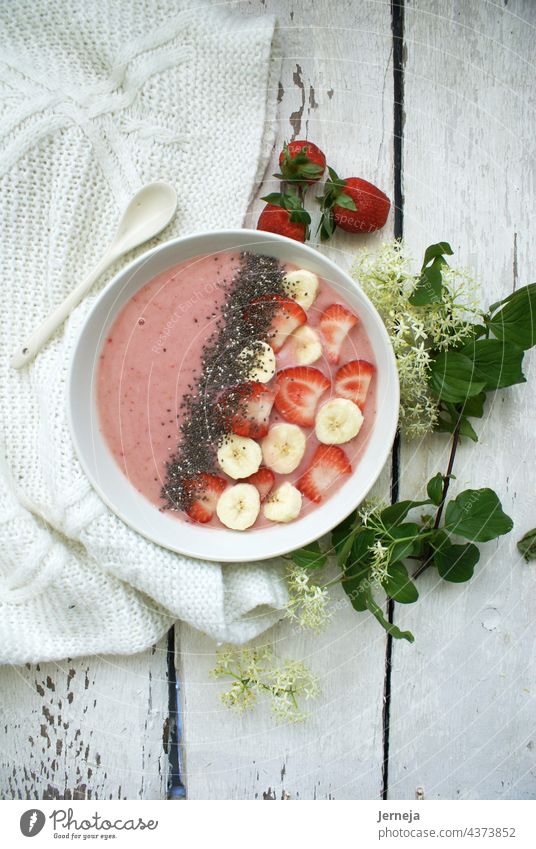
<point x="152" y="356"/>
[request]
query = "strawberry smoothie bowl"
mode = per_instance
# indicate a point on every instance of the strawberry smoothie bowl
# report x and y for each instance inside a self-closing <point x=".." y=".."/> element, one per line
<point x="233" y="395"/>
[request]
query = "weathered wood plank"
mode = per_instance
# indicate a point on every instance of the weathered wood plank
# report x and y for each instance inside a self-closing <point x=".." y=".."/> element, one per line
<point x="462" y="713"/>
<point x="90" y="728"/>
<point x="336" y="89"/>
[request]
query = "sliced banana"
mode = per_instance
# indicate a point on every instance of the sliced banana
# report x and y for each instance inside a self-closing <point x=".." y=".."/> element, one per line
<point x="238" y="506"/>
<point x="301" y="286"/>
<point x="306" y="345"/>
<point x="338" y="421"/>
<point x="283" y="448"/>
<point x="259" y="360"/>
<point x="284" y="504"/>
<point x="239" y="456"/>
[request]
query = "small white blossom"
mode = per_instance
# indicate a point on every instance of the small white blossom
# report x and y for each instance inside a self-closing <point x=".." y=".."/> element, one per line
<point x="308" y="603"/>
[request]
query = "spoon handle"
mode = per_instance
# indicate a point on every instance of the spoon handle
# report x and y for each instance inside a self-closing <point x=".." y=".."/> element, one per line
<point x="42" y="334"/>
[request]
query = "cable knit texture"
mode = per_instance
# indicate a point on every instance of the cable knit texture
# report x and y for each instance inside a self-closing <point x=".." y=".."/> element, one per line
<point x="97" y="99"/>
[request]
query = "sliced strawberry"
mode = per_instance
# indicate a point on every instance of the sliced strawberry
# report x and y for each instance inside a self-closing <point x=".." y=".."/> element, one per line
<point x="275" y="318"/>
<point x="264" y="480"/>
<point x="328" y="464"/>
<point x="246" y="409"/>
<point x="352" y="381"/>
<point x="204" y="492"/>
<point x="335" y="323"/>
<point x="298" y="393"/>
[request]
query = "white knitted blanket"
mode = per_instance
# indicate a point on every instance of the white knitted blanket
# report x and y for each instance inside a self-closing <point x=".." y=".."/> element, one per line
<point x="97" y="98"/>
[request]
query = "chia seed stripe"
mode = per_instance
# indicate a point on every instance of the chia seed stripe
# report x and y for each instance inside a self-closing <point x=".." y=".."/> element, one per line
<point x="207" y="408"/>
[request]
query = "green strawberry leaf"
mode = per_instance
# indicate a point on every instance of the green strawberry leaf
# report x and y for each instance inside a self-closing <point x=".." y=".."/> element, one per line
<point x="345" y="201"/>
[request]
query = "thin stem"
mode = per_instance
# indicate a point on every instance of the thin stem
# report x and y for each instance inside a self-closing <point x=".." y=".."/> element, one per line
<point x="446" y="483"/>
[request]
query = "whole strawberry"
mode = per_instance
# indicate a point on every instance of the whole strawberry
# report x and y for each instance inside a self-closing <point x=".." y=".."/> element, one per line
<point x="301" y="161"/>
<point x="284" y="214"/>
<point x="353" y="204"/>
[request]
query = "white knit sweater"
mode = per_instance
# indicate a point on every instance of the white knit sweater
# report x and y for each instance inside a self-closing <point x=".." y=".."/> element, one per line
<point x="96" y="99"/>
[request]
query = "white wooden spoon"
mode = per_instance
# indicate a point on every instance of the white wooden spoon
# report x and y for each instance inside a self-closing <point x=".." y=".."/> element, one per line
<point x="149" y="211"/>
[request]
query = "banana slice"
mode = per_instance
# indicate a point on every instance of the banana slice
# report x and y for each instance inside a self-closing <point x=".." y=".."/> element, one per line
<point x="283" y="448"/>
<point x="284" y="504"/>
<point x="239" y="456"/>
<point x="259" y="360"/>
<point x="238" y="506"/>
<point x="338" y="421"/>
<point x="306" y="345"/>
<point x="301" y="286"/>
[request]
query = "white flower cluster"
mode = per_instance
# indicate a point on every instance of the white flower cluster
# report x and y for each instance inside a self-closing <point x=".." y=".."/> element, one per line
<point x="308" y="602"/>
<point x="416" y="331"/>
<point x="255" y="671"/>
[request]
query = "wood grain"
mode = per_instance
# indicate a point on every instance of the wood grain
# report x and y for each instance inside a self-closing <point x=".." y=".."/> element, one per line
<point x="462" y="712"/>
<point x="336" y="88"/>
<point x="90" y="728"/>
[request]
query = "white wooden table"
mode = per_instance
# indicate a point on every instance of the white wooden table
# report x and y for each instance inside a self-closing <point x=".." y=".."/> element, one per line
<point x="452" y="85"/>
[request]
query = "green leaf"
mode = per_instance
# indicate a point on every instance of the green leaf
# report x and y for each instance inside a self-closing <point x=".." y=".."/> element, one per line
<point x="429" y="287"/>
<point x="527" y="545"/>
<point x="474" y="406"/>
<point x="434" y="489"/>
<point x="405" y="537"/>
<point x="346" y="201"/>
<point x="300" y="216"/>
<point x="341" y="531"/>
<point x="391" y="629"/>
<point x="399" y="586"/>
<point x="433" y="251"/>
<point x="357" y="567"/>
<point x="497" y="362"/>
<point x="467" y="429"/>
<point x="394" y="514"/>
<point x="477" y="515"/>
<point x="309" y="557"/>
<point x="515" y="318"/>
<point x="453" y="377"/>
<point x="456" y="563"/>
<point x="326" y="227"/>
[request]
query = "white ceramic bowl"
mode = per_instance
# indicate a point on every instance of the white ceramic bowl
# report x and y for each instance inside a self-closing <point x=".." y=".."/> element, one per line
<point x="164" y="527"/>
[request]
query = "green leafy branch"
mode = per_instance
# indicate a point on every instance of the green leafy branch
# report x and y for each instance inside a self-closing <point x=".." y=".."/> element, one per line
<point x="373" y="547"/>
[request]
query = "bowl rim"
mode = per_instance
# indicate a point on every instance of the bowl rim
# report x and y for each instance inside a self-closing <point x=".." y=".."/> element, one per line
<point x="256" y="236"/>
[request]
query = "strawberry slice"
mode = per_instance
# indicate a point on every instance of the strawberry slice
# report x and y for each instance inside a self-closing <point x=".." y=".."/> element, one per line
<point x="335" y="323"/>
<point x="298" y="392"/>
<point x="274" y="317"/>
<point x="353" y="380"/>
<point x="328" y="464"/>
<point x="264" y="480"/>
<point x="204" y="492"/>
<point x="246" y="409"/>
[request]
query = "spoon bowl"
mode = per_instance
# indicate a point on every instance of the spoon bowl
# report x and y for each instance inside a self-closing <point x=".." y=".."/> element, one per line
<point x="147" y="213"/>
